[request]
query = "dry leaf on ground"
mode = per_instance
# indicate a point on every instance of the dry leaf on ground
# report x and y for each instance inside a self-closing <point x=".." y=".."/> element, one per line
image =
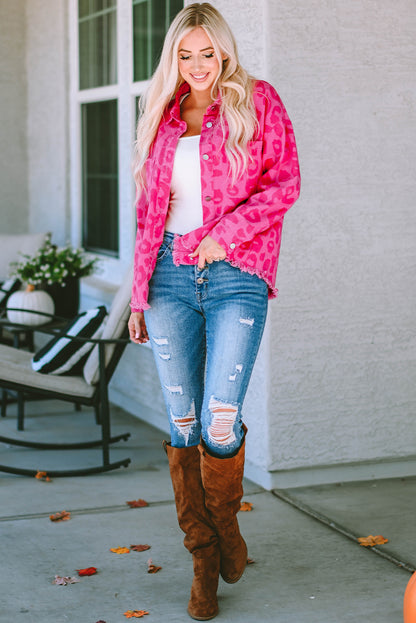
<point x="63" y="581"/>
<point x="246" y="506"/>
<point x="43" y="476"/>
<point x="139" y="548"/>
<point x="370" y="541"/>
<point x="151" y="567"/>
<point x="61" y="516"/>
<point x="87" y="571"/>
<point x="135" y="614"/>
<point x="251" y="561"/>
<point x="120" y="550"/>
<point x="137" y="503"/>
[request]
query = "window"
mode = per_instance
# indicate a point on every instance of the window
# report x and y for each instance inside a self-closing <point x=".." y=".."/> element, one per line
<point x="100" y="177"/>
<point x="114" y="48"/>
<point x="97" y="43"/>
<point x="151" y="19"/>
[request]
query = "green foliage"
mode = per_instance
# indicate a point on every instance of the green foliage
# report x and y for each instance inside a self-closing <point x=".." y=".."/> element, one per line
<point x="52" y="264"/>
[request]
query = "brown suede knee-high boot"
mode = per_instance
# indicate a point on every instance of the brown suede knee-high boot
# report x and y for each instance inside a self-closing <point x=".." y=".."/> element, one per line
<point x="200" y="536"/>
<point x="222" y="482"/>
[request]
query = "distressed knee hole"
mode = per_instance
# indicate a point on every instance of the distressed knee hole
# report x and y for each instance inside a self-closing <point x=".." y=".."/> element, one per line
<point x="184" y="423"/>
<point x="221" y="429"/>
<point x="247" y="321"/>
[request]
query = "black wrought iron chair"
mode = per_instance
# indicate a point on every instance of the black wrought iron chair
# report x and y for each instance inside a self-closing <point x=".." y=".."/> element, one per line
<point x="90" y="389"/>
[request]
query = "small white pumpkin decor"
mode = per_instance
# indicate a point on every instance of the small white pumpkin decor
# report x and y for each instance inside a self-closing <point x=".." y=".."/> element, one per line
<point x="33" y="300"/>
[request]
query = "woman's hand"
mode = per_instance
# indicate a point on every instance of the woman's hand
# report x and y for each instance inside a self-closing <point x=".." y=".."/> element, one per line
<point x="137" y="328"/>
<point x="208" y="251"/>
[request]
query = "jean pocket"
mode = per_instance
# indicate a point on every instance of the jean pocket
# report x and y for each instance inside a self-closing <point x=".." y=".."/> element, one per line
<point x="164" y="249"/>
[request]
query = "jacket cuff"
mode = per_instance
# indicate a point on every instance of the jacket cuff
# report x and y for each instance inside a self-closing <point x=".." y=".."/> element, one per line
<point x="225" y="236"/>
<point x="134" y="309"/>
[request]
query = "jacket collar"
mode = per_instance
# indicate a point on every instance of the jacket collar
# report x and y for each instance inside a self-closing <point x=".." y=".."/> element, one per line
<point x="174" y="109"/>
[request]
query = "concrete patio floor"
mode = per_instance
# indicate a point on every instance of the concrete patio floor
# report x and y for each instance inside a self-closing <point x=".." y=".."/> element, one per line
<point x="307" y="567"/>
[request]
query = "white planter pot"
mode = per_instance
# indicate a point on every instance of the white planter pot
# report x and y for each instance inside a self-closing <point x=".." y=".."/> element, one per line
<point x="33" y="300"/>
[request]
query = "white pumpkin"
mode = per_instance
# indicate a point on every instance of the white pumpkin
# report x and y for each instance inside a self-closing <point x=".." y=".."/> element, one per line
<point x="35" y="300"/>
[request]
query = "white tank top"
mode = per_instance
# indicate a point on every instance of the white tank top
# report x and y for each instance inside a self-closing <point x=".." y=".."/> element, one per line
<point x="185" y="205"/>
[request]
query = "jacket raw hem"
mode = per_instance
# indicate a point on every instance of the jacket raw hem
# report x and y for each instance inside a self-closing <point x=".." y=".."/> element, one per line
<point x="178" y="257"/>
<point x="273" y="291"/>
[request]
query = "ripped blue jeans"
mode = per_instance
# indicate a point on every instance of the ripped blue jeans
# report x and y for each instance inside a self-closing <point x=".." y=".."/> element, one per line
<point x="205" y="328"/>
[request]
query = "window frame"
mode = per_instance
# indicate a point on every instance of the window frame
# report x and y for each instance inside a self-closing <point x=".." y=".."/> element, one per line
<point x="125" y="91"/>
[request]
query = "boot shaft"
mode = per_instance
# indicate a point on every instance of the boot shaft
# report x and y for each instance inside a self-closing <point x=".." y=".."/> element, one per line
<point x="193" y="517"/>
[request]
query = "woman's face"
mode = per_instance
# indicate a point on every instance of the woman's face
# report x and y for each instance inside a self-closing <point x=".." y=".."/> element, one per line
<point x="198" y="64"/>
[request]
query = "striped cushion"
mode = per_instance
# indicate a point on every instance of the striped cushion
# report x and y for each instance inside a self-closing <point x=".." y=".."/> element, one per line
<point x="65" y="356"/>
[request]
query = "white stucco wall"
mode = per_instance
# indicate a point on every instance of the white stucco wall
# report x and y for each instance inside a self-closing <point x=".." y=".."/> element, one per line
<point x="47" y="120"/>
<point x="343" y="358"/>
<point x="13" y="113"/>
<point x="33" y="111"/>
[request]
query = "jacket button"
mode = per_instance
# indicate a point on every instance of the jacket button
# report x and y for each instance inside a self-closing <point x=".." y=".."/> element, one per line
<point x="232" y="245"/>
<point x="208" y="198"/>
<point x="209" y="124"/>
<point x="205" y="157"/>
<point x="200" y="280"/>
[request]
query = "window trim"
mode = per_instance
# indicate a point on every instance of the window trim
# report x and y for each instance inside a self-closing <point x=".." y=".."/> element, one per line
<point x="125" y="91"/>
<point x="111" y="268"/>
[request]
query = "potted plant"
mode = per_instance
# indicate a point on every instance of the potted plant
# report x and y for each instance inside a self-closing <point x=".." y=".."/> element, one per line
<point x="57" y="270"/>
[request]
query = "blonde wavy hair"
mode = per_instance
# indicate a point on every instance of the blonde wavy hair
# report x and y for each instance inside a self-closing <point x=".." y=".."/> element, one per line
<point x="233" y="84"/>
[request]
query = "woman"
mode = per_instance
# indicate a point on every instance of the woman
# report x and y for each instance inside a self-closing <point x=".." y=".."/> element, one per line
<point x="216" y="170"/>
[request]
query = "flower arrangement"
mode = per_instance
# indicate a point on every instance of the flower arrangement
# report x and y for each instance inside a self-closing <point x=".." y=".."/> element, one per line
<point x="53" y="265"/>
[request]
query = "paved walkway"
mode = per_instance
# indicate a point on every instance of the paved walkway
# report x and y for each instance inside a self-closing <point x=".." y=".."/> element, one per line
<point x="305" y="571"/>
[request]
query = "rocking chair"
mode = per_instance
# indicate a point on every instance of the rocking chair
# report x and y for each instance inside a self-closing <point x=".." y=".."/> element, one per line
<point x="89" y="389"/>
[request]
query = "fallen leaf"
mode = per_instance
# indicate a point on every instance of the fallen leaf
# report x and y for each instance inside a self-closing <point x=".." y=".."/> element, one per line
<point x="137" y="503"/>
<point x="61" y="516"/>
<point x="87" y="571"/>
<point x="63" y="581"/>
<point x="43" y="476"/>
<point x="250" y="561"/>
<point x="139" y="548"/>
<point x="370" y="541"/>
<point x="246" y="506"/>
<point x="120" y="550"/>
<point x="151" y="567"/>
<point x="136" y="614"/>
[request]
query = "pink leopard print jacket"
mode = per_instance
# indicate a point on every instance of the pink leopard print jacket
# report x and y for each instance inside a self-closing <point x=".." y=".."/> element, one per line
<point x="244" y="217"/>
